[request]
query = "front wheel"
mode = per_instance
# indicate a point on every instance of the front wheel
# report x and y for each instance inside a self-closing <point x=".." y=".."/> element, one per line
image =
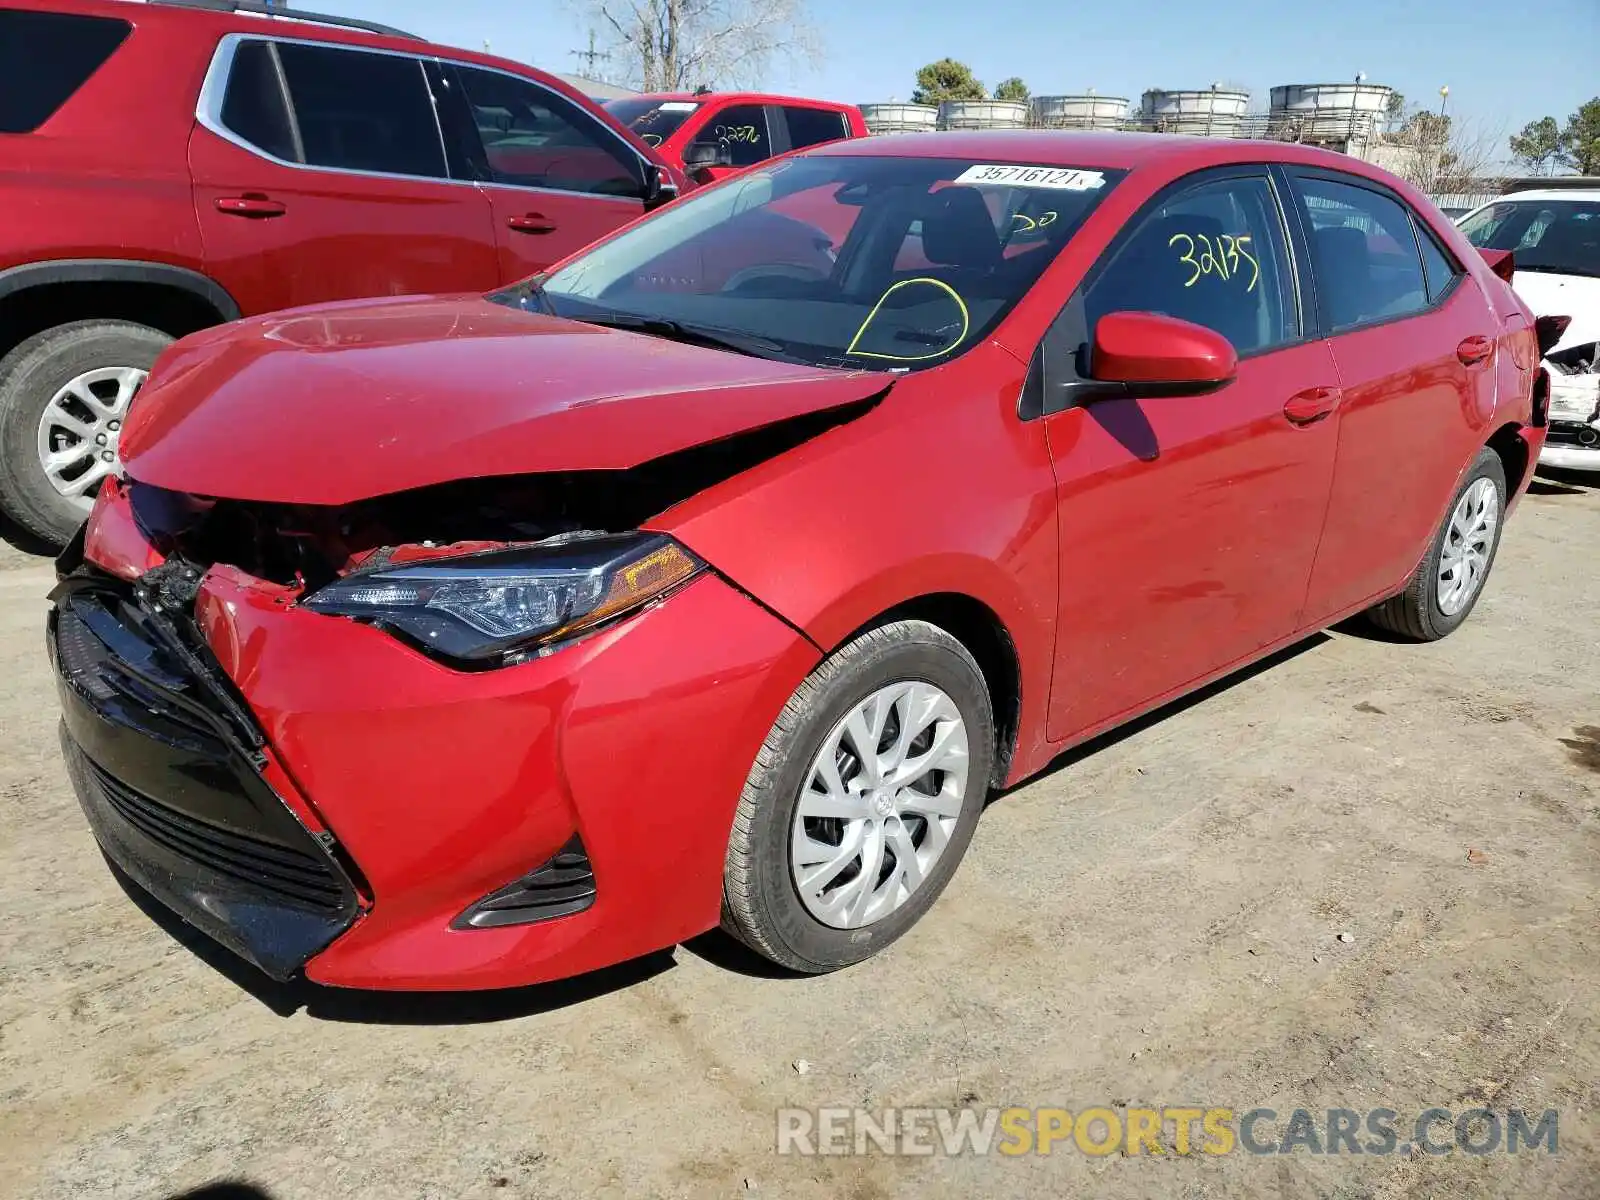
<point x="862" y="799"/>
<point x="1451" y="576"/>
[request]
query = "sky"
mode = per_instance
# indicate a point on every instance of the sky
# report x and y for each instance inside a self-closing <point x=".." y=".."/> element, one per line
<point x="1505" y="64"/>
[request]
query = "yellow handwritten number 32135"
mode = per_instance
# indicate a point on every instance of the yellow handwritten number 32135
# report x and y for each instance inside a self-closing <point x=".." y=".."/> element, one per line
<point x="1224" y="259"/>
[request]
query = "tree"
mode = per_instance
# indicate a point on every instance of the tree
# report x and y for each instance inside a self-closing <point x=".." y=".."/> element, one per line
<point x="1580" y="140"/>
<point x="944" y="80"/>
<point x="1437" y="153"/>
<point x="1394" y="110"/>
<point x="1011" y="89"/>
<point x="1538" y="146"/>
<point x="672" y="45"/>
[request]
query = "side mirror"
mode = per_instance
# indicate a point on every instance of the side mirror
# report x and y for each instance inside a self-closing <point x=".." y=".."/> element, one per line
<point x="659" y="188"/>
<point x="1155" y="353"/>
<point x="698" y="155"/>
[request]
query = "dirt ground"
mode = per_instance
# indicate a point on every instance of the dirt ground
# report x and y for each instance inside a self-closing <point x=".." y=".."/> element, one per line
<point x="1155" y="921"/>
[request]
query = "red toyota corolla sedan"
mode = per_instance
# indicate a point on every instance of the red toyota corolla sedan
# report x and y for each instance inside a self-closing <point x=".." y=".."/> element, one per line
<point x="469" y="642"/>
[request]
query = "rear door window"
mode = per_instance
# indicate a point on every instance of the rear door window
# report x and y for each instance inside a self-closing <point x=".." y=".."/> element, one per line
<point x="1439" y="268"/>
<point x="254" y="106"/>
<point x="742" y="129"/>
<point x="534" y="137"/>
<point x="47" y="56"/>
<point x="813" y="126"/>
<point x="361" y="111"/>
<point x="1364" y="254"/>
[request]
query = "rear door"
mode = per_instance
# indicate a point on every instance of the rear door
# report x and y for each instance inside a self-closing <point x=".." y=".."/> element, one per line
<point x="320" y="174"/>
<point x="809" y="126"/>
<point x="556" y="176"/>
<point x="1188" y="524"/>
<point x="1417" y="354"/>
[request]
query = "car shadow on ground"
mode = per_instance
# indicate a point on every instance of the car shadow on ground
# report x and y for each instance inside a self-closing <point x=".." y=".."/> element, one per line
<point x="224" y="1189"/>
<point x="714" y="947"/>
<point x="20" y="540"/>
<point x="1551" y="482"/>
<point x="390" y="1008"/>
<point x="1121" y="733"/>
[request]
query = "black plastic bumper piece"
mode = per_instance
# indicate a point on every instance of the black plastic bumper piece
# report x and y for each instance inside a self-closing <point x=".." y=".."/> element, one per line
<point x="168" y="781"/>
<point x="559" y="888"/>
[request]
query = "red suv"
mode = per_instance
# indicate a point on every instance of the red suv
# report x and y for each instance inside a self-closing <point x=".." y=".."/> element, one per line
<point x="170" y="166"/>
<point x="712" y="134"/>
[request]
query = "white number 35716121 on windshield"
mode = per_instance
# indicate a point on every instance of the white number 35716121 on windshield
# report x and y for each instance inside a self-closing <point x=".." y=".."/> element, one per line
<point x="1013" y="175"/>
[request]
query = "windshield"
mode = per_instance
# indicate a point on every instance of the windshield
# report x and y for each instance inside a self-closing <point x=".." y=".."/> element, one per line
<point x="653" y="120"/>
<point x="872" y="262"/>
<point x="1559" y="236"/>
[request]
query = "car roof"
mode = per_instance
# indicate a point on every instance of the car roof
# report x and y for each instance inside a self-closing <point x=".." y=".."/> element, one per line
<point x="744" y="97"/>
<point x="1543" y="194"/>
<point x="220" y="16"/>
<point x="1124" y="151"/>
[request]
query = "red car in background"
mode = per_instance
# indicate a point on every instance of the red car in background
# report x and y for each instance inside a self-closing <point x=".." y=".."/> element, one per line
<point x="713" y="134"/>
<point x="168" y="166"/>
<point x="643" y="597"/>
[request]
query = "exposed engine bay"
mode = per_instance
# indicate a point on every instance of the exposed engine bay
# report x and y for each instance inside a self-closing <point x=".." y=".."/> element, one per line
<point x="304" y="547"/>
<point x="1575" y="392"/>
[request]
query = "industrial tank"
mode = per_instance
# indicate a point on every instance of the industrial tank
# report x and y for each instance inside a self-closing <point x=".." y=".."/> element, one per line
<point x="900" y="118"/>
<point x="1086" y="111"/>
<point x="1213" y="112"/>
<point x="983" y="114"/>
<point x="1330" y="112"/>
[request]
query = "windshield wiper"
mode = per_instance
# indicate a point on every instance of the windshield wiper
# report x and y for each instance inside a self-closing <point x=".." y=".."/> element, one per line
<point x="694" y="335"/>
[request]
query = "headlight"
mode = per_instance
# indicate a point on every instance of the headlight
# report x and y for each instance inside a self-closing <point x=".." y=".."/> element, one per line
<point x="482" y="608"/>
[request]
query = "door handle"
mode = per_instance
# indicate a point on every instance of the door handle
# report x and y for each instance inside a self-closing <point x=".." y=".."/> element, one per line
<point x="1474" y="350"/>
<point x="1310" y="406"/>
<point x="531" y="223"/>
<point x="249" y="206"/>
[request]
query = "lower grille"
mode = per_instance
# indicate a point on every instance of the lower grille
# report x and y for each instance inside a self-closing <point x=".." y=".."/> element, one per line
<point x="282" y="873"/>
<point x="167" y="765"/>
<point x="562" y="886"/>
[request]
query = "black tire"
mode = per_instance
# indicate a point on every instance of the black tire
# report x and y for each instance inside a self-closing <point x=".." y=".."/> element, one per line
<point x="1415" y="613"/>
<point x="29" y="376"/>
<point x="761" y="906"/>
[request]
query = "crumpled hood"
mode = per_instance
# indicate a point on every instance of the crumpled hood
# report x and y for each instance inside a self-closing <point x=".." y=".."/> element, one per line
<point x="342" y="402"/>
<point x="1575" y="296"/>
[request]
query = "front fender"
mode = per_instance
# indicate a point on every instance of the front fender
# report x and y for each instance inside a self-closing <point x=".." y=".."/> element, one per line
<point x="940" y="488"/>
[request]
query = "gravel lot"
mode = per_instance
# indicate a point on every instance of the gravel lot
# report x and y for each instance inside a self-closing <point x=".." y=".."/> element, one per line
<point x="1155" y="921"/>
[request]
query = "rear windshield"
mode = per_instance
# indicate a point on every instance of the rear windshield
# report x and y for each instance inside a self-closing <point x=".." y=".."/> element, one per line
<point x="653" y="120"/>
<point x="887" y="263"/>
<point x="1561" y="237"/>
<point x="45" y="57"/>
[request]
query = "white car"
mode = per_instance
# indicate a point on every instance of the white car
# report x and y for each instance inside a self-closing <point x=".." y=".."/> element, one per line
<point x="1554" y="237"/>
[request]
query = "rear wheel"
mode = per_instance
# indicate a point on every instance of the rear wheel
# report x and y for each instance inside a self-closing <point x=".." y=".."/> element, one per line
<point x="862" y="800"/>
<point x="64" y="395"/>
<point x="1451" y="576"/>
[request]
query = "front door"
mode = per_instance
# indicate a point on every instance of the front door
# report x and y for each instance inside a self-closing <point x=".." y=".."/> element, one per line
<point x="1188" y="524"/>
<point x="319" y="175"/>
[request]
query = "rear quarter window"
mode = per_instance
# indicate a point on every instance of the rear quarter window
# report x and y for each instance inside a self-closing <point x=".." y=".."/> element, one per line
<point x="45" y="57"/>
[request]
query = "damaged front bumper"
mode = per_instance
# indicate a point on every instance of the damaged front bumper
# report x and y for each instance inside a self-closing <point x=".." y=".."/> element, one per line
<point x="174" y="784"/>
<point x="1573" y="442"/>
<point x="472" y="829"/>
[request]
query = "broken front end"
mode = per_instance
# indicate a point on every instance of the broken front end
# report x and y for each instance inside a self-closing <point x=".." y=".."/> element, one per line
<point x="1573" y="442"/>
<point x="425" y="740"/>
